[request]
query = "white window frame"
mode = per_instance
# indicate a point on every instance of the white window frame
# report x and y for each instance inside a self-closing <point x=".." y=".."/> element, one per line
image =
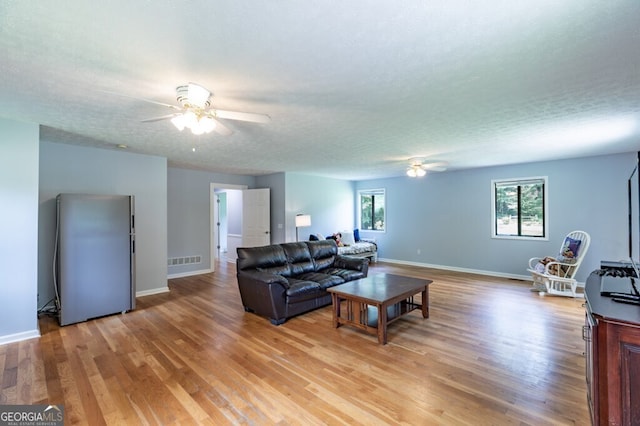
<point x="373" y="191"/>
<point x="517" y="181"/>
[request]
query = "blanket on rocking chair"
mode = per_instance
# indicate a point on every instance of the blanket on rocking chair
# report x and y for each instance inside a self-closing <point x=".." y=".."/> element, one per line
<point x="560" y="268"/>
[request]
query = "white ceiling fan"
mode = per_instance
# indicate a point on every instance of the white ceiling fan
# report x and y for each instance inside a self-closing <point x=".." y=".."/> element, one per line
<point x="418" y="166"/>
<point x="195" y="112"/>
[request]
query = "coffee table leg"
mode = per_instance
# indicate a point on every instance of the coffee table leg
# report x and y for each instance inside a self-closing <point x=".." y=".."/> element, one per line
<point x="336" y="309"/>
<point x="382" y="324"/>
<point x="425" y="302"/>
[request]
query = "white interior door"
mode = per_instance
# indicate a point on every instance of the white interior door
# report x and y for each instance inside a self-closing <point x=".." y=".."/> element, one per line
<point x="256" y="217"/>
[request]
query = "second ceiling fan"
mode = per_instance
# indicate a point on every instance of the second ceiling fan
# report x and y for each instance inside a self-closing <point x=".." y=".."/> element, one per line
<point x="418" y="166"/>
<point x="195" y="112"/>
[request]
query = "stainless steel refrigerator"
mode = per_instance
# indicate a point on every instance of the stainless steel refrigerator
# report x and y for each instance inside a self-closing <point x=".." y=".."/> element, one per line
<point x="94" y="258"/>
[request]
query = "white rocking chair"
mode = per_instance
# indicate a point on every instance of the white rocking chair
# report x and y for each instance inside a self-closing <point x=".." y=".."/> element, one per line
<point x="557" y="276"/>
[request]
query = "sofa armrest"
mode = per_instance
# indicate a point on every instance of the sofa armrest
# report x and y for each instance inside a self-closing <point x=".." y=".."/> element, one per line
<point x="354" y="263"/>
<point x="264" y="293"/>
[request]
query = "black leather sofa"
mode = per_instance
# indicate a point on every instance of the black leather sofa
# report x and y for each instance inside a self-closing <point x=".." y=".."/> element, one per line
<point x="283" y="280"/>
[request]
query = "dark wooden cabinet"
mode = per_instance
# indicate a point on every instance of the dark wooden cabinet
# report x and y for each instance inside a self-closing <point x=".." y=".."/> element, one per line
<point x="590" y="337"/>
<point x="612" y="340"/>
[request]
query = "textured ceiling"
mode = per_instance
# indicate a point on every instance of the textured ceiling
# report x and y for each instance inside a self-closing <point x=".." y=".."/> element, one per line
<point x="354" y="88"/>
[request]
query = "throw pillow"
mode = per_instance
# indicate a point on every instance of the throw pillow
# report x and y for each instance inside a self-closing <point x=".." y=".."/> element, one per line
<point x="356" y="235"/>
<point x="347" y="238"/>
<point x="570" y="249"/>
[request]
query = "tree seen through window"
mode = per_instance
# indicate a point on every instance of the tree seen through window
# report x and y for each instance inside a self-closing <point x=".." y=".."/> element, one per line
<point x="372" y="210"/>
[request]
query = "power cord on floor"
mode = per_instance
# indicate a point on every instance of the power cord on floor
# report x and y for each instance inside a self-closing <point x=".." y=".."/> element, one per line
<point x="50" y="309"/>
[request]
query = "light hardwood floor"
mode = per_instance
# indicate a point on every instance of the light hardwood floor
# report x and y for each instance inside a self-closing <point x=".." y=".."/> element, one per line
<point x="491" y="353"/>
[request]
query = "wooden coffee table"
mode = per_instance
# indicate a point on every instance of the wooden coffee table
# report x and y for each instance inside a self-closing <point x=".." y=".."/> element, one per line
<point x="374" y="302"/>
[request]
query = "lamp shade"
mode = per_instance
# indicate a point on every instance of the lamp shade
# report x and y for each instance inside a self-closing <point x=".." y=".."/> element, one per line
<point x="303" y="220"/>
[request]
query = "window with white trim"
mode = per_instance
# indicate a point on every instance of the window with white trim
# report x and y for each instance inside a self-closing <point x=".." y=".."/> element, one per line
<point x="519" y="208"/>
<point x="371" y="209"/>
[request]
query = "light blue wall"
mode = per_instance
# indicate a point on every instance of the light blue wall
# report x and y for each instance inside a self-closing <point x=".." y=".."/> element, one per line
<point x="188" y="214"/>
<point x="447" y="216"/>
<point x="18" y="230"/>
<point x="74" y="169"/>
<point x="330" y="202"/>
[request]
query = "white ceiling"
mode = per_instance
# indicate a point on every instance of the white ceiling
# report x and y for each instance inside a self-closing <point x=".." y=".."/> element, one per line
<point x="354" y="88"/>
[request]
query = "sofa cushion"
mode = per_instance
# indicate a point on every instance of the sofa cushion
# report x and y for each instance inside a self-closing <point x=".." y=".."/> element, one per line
<point x="298" y="257"/>
<point x="345" y="274"/>
<point x="325" y="280"/>
<point x="300" y="290"/>
<point x="270" y="259"/>
<point x="323" y="253"/>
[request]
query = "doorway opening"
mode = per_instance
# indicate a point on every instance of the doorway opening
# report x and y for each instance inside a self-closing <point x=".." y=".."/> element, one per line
<point x="222" y="210"/>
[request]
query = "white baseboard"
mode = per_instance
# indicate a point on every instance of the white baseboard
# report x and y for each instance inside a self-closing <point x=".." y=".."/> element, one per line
<point x="18" y="337"/>
<point x="152" y="291"/>
<point x="456" y="269"/>
<point x="189" y="274"/>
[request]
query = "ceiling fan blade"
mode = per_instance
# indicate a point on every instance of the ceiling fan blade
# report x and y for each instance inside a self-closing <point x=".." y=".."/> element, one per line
<point x="221" y="128"/>
<point x="160" y="103"/>
<point x="143" y="100"/>
<point x="439" y="166"/>
<point x="242" y="116"/>
<point x="164" y="117"/>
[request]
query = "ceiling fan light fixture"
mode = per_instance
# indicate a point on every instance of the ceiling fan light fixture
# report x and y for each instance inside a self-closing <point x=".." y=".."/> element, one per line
<point x="193" y="121"/>
<point x="197" y="129"/>
<point x="416" y="170"/>
<point x="198" y="95"/>
<point x="207" y="124"/>
<point x="190" y="119"/>
<point x="179" y="122"/>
